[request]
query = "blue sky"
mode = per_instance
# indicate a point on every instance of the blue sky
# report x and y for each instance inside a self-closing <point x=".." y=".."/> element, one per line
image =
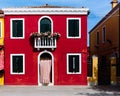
<point x="98" y="8"/>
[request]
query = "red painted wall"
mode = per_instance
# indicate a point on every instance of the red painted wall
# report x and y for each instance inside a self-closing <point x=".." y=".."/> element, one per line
<point x="64" y="46"/>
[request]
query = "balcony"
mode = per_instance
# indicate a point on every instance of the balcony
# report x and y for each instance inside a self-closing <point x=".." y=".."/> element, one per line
<point x="45" y="40"/>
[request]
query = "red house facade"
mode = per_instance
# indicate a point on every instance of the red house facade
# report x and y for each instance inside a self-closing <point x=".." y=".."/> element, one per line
<point x="45" y="45"/>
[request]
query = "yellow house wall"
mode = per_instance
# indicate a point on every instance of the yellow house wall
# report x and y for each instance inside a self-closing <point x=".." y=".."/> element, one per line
<point x="112" y="34"/>
<point x="111" y="24"/>
<point x="2" y="80"/>
<point x="113" y="70"/>
<point x="2" y="43"/>
<point x="2" y="38"/>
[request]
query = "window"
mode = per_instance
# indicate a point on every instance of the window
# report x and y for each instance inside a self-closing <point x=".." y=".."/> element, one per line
<point x="103" y="35"/>
<point x="17" y="64"/>
<point x="97" y="38"/>
<point x="0" y="29"/>
<point x="73" y="63"/>
<point x="118" y="67"/>
<point x="89" y="68"/>
<point x="73" y="28"/>
<point x="45" y="25"/>
<point x="17" y="28"/>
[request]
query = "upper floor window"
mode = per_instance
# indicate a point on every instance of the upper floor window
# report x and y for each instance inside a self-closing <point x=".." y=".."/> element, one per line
<point x="17" y="64"/>
<point x="97" y="38"/>
<point x="17" y="28"/>
<point x="45" y="25"/>
<point x="0" y="29"/>
<point x="73" y="28"/>
<point x="73" y="63"/>
<point x="103" y="35"/>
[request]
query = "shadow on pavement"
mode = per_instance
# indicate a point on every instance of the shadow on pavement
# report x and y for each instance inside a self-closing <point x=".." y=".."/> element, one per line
<point x="107" y="88"/>
<point x="101" y="91"/>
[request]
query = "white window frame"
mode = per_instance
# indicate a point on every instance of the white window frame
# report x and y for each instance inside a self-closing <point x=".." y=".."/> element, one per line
<point x="11" y="30"/>
<point x="79" y="28"/>
<point x="103" y="39"/>
<point x="80" y="65"/>
<point x="1" y="29"/>
<point x="11" y="64"/>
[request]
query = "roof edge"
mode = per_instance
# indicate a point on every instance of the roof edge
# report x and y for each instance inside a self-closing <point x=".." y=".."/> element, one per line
<point x="26" y="10"/>
<point x="106" y="16"/>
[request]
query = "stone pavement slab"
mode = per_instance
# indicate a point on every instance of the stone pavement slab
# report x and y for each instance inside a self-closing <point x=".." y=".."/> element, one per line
<point x="58" y="91"/>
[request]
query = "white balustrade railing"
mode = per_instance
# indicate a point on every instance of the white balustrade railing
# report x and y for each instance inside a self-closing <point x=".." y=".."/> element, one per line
<point x="44" y="42"/>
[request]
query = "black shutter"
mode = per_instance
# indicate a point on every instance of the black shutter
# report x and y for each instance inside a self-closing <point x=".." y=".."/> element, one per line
<point x="14" y="28"/>
<point x="118" y="68"/>
<point x="17" y="28"/>
<point x="20" y="28"/>
<point x="73" y="28"/>
<point x="76" y="27"/>
<point x="17" y="64"/>
<point x="77" y="63"/>
<point x="70" y="64"/>
<point x="20" y="64"/>
<point x="45" y="25"/>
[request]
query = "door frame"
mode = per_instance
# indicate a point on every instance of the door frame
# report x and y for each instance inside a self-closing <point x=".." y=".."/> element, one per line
<point x="39" y="55"/>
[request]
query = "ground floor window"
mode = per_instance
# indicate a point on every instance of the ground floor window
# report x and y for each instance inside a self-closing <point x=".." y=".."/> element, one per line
<point x="73" y="63"/>
<point x="17" y="63"/>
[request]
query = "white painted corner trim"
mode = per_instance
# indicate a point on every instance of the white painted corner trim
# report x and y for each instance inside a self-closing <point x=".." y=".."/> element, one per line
<point x="50" y="11"/>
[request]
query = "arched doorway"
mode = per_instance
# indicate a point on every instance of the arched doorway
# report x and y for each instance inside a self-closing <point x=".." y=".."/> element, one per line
<point x="45" y="68"/>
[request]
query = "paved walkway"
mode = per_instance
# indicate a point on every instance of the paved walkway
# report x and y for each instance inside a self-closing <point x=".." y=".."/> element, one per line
<point x="59" y="91"/>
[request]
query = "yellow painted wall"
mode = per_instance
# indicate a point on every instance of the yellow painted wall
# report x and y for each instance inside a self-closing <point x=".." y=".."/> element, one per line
<point x="2" y="38"/>
<point x="2" y="80"/>
<point x="95" y="69"/>
<point x="113" y="70"/>
<point x="111" y="23"/>
<point x="112" y="34"/>
<point x="94" y="79"/>
<point x="2" y="43"/>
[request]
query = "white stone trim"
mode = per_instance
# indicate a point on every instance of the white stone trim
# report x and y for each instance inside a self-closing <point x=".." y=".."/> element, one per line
<point x="79" y="28"/>
<point x="11" y="32"/>
<point x="11" y="66"/>
<point x="50" y="11"/>
<point x="80" y="63"/>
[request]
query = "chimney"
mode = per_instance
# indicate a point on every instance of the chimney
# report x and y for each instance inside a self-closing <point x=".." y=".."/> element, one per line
<point x="114" y="3"/>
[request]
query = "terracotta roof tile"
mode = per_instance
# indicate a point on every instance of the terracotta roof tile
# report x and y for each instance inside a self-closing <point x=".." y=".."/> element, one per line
<point x="1" y="12"/>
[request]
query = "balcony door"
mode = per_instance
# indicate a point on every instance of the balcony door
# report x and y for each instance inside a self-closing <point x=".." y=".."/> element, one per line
<point x="45" y="24"/>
